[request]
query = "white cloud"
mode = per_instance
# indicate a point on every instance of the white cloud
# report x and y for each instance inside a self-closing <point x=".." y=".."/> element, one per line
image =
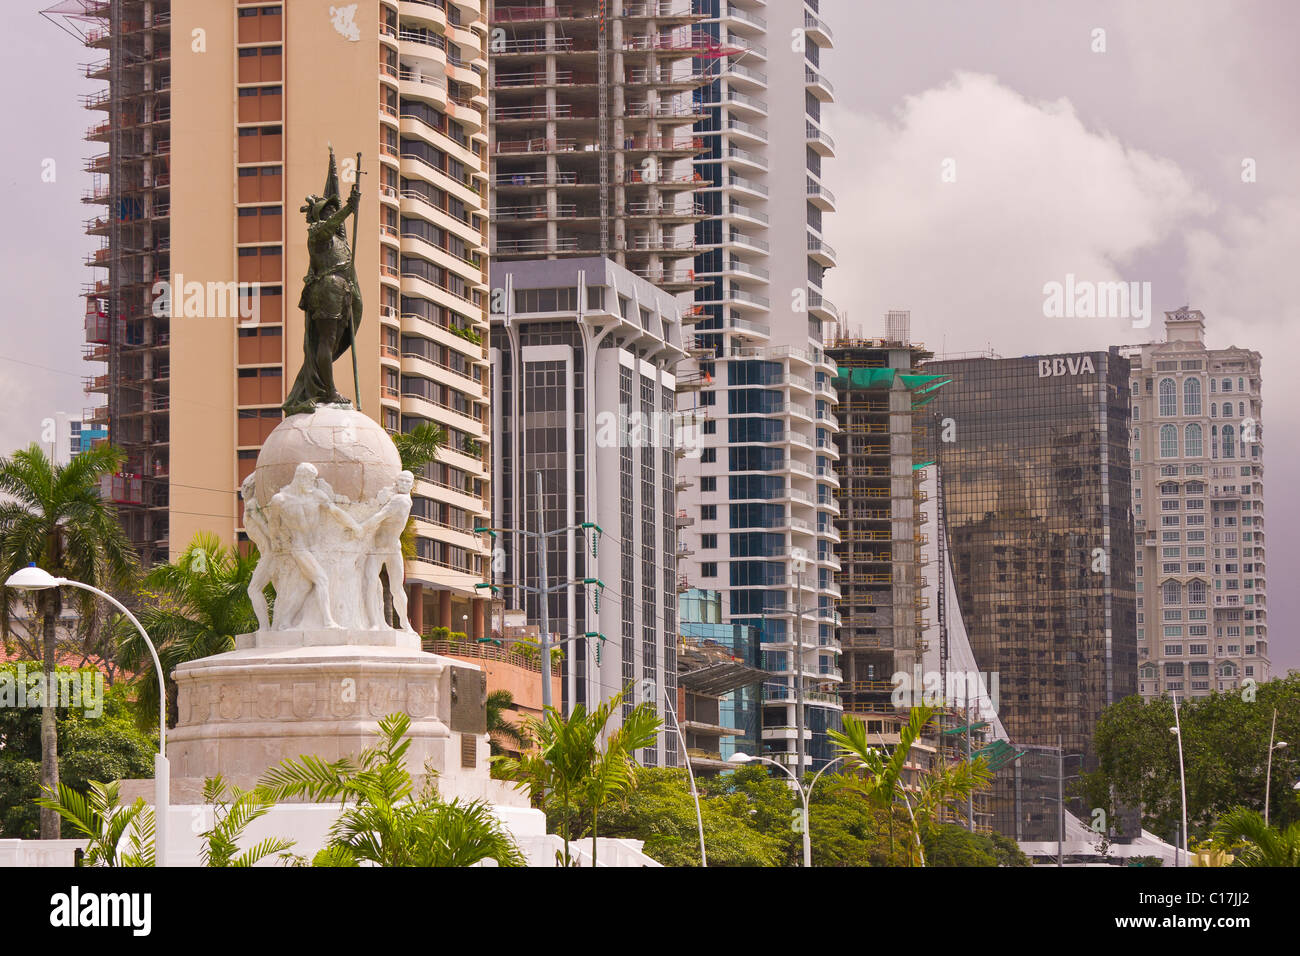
<point x="1037" y="196"/>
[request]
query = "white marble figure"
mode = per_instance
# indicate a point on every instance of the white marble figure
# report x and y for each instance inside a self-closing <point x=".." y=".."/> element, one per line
<point x="384" y="529"/>
<point x="259" y="532"/>
<point x="299" y="513"/>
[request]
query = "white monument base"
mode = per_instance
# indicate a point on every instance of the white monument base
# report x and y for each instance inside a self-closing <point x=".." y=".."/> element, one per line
<point x="245" y="711"/>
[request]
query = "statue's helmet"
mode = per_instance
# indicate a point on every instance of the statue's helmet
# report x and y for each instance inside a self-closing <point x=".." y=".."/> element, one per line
<point x="319" y="208"/>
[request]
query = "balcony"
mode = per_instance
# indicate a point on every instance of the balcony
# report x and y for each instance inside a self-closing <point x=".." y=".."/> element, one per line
<point x="817" y="84"/>
<point x="820" y="142"/>
<point x="743" y="157"/>
<point x="821" y="251"/>
<point x="820" y="196"/>
<point x="817" y="29"/>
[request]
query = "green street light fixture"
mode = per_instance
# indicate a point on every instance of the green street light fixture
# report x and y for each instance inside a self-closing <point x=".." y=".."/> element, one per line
<point x="32" y="578"/>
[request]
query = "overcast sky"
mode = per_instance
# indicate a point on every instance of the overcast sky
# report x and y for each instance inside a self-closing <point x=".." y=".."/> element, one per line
<point x="1117" y="165"/>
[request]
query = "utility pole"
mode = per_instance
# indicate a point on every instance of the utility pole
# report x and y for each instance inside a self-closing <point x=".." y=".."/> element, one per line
<point x="544" y="589"/>
<point x="543" y="598"/>
<point x="1060" y="800"/>
<point x="798" y="555"/>
<point x="970" y="797"/>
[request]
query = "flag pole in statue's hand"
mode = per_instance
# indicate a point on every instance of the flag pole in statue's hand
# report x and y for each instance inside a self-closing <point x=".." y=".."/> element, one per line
<point x="352" y="260"/>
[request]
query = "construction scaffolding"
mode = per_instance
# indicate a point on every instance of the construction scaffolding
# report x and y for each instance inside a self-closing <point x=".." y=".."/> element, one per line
<point x="882" y="607"/>
<point x="131" y="181"/>
<point x="591" y="134"/>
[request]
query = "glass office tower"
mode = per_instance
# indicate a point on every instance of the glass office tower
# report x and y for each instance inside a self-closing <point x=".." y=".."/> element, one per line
<point x="1034" y="464"/>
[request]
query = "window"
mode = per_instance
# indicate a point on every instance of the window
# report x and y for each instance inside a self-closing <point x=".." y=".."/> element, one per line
<point x="708" y="541"/>
<point x="708" y="512"/>
<point x="709" y="455"/>
<point x="1172" y="592"/>
<point x="709" y="569"/>
<point x="1192" y="396"/>
<point x="709" y="483"/>
<point x="546" y="300"/>
<point x="1228" y="435"/>
<point x="1192" y="444"/>
<point x="1168" y="397"/>
<point x="1168" y="441"/>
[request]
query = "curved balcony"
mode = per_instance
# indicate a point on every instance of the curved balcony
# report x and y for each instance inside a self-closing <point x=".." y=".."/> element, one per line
<point x="820" y="196"/>
<point x="816" y="28"/>
<point x="820" y="142"/>
<point x="426" y="11"/>
<point x="817" y="84"/>
<point x="820" y="251"/>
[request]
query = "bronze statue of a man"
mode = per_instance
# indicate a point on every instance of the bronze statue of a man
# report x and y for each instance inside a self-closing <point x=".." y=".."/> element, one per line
<point x="331" y="296"/>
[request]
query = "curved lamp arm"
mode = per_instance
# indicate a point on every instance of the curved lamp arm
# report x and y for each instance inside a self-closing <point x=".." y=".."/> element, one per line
<point x="153" y="652"/>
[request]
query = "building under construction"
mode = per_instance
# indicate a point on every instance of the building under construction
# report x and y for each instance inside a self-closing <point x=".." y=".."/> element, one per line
<point x="592" y="108"/>
<point x="130" y="198"/>
<point x="882" y="608"/>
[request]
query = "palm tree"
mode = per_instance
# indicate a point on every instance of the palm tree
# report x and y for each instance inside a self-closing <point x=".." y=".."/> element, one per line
<point x="230" y="818"/>
<point x="947" y="786"/>
<point x="193" y="608"/>
<point x="56" y="519"/>
<point x="1260" y="844"/>
<point x="420" y="446"/>
<point x="499" y="729"/>
<point x="613" y="770"/>
<point x="97" y="817"/>
<point x="387" y="824"/>
<point x="566" y="764"/>
<point x="882" y="782"/>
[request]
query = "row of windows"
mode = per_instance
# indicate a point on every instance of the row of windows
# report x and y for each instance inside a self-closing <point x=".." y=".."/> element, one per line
<point x="1224" y="440"/>
<point x="1226" y="410"/>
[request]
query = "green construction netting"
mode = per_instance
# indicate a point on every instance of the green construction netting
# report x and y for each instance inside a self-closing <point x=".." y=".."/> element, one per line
<point x="884" y="378"/>
<point x="978" y="725"/>
<point x="998" y="754"/>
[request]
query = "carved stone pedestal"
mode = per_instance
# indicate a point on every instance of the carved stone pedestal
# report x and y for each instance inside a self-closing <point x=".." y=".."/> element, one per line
<point x="243" y="712"/>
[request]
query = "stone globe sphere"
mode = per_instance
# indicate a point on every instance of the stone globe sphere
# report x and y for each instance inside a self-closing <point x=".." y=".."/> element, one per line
<point x="349" y="450"/>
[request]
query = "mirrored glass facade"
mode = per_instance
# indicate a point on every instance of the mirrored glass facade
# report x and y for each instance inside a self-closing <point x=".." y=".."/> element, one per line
<point x="1034" y="464"/>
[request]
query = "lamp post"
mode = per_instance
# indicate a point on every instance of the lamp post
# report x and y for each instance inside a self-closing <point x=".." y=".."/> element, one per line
<point x="1268" y="777"/>
<point x="805" y="793"/>
<point x="1177" y="731"/>
<point x="798" y="559"/>
<point x="38" y="579"/>
<point x="648" y="694"/>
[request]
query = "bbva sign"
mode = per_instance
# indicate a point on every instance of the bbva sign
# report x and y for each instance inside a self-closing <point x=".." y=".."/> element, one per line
<point x="1066" y="365"/>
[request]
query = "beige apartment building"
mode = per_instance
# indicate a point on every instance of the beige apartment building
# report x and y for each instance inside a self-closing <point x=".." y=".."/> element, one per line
<point x="217" y="119"/>
<point x="1198" y="502"/>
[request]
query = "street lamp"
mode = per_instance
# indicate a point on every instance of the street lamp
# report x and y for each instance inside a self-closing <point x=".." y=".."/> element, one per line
<point x="1177" y="731"/>
<point x="1268" y="777"/>
<point x="805" y="793"/>
<point x="33" y="578"/>
<point x="648" y="694"/>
